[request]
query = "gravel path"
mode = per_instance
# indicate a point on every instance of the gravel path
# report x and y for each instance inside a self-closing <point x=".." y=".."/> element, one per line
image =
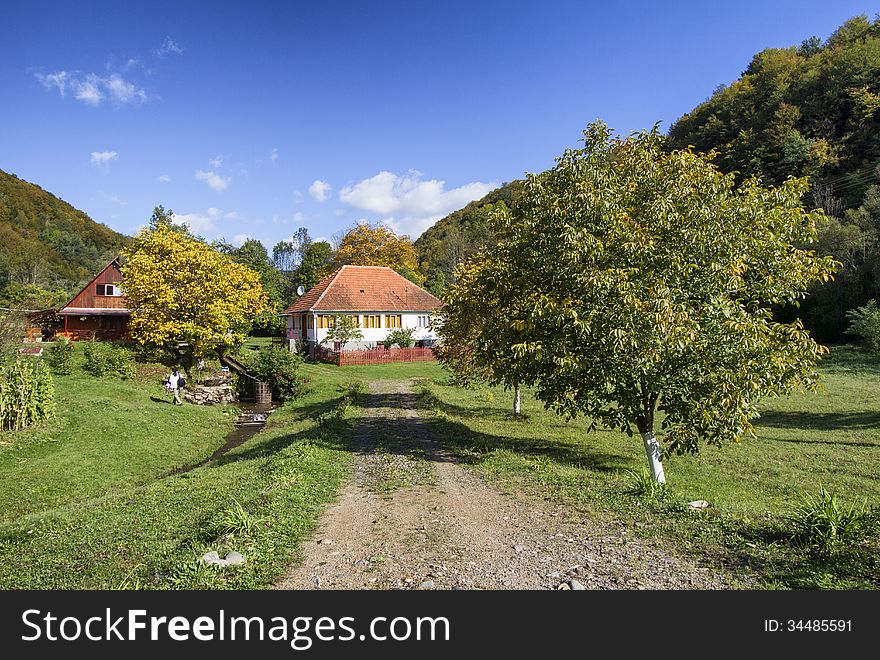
<point x="411" y="518"/>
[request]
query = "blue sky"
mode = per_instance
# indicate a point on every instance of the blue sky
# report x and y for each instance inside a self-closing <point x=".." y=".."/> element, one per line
<point x="255" y="118"/>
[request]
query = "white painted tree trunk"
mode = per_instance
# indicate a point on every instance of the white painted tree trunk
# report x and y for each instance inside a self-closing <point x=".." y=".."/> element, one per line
<point x="516" y="401"/>
<point x="652" y="449"/>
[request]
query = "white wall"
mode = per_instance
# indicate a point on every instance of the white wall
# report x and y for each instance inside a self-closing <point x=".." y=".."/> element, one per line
<point x="371" y="335"/>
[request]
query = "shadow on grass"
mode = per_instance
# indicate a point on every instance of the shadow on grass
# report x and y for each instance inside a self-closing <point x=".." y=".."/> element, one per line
<point x="469" y="445"/>
<point x="828" y="421"/>
<point x="156" y="399"/>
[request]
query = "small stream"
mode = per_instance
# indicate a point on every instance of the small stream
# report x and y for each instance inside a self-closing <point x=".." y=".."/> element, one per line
<point x="250" y="421"/>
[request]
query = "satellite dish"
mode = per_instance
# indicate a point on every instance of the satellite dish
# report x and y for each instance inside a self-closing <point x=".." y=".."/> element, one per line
<point x="300" y="290"/>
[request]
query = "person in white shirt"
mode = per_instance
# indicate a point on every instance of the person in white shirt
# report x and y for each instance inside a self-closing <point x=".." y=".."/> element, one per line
<point x="174" y="383"/>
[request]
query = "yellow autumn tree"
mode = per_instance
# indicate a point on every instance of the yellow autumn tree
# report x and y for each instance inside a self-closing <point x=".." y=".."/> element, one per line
<point x="366" y="245"/>
<point x="181" y="290"/>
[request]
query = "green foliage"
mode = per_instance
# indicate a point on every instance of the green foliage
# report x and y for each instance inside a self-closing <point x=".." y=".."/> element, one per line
<point x="642" y="484"/>
<point x="60" y="356"/>
<point x="345" y="329"/>
<point x="282" y="370"/>
<point x="865" y="323"/>
<point x="823" y="524"/>
<point x="46" y="243"/>
<point x="102" y="359"/>
<point x="629" y="280"/>
<point x="460" y="235"/>
<point x="234" y="520"/>
<point x="27" y="394"/>
<point x="400" y="337"/>
<point x="316" y="261"/>
<point x="809" y="111"/>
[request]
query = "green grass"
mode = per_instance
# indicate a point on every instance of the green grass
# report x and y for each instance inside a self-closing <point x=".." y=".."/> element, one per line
<point x="108" y="433"/>
<point x="805" y="442"/>
<point x="114" y="525"/>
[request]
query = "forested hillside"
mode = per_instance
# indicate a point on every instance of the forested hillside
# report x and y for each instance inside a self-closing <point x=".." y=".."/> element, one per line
<point x="810" y="110"/>
<point x="47" y="247"/>
<point x="461" y="233"/>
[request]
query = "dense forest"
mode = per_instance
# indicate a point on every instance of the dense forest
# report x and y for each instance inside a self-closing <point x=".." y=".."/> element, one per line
<point x="460" y="234"/>
<point x="808" y="110"/>
<point x="47" y="247"/>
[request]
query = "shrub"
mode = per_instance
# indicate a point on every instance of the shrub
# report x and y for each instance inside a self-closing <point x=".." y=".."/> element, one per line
<point x="402" y="337"/>
<point x="61" y="356"/>
<point x="822" y="523"/>
<point x="104" y="359"/>
<point x="865" y="323"/>
<point x="281" y="369"/>
<point x="27" y="394"/>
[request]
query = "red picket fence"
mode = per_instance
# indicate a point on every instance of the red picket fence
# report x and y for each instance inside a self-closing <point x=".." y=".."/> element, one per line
<point x="374" y="356"/>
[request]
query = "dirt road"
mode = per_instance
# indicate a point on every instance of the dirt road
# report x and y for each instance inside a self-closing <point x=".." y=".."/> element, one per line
<point x="411" y="518"/>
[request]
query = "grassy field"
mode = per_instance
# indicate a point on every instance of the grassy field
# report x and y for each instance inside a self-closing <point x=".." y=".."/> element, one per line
<point x="804" y="442"/>
<point x="89" y="502"/>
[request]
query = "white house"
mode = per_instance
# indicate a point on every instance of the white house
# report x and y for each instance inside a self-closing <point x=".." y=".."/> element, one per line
<point x="377" y="297"/>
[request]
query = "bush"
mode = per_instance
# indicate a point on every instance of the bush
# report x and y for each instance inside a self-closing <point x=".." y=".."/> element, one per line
<point x="104" y="359"/>
<point x="402" y="337"/>
<point x="823" y="524"/>
<point x="864" y="322"/>
<point x="61" y="356"/>
<point x="27" y="394"/>
<point x="281" y="369"/>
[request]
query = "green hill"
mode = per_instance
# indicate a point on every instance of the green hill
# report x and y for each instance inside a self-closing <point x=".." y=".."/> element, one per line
<point x="47" y="244"/>
<point x="810" y="110"/>
<point x="461" y="233"/>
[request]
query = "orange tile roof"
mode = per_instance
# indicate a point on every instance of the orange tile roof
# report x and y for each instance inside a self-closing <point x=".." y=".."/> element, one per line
<point x="365" y="289"/>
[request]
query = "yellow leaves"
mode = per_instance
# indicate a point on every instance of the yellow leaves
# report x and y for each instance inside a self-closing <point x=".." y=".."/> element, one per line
<point x="364" y="245"/>
<point x="181" y="289"/>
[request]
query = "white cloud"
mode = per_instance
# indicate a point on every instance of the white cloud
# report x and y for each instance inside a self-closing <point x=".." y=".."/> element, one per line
<point x="57" y="79"/>
<point x="320" y="190"/>
<point x="233" y="215"/>
<point x="164" y="178"/>
<point x="123" y="91"/>
<point x="121" y="202"/>
<point x="214" y="181"/>
<point x="216" y="162"/>
<point x="92" y="89"/>
<point x="299" y="216"/>
<point x="213" y="212"/>
<point x="103" y="157"/>
<point x="297" y="197"/>
<point x="197" y="222"/>
<point x="88" y="91"/>
<point x="239" y="239"/>
<point x="168" y="46"/>
<point x="273" y="155"/>
<point x="339" y="213"/>
<point x="411" y="204"/>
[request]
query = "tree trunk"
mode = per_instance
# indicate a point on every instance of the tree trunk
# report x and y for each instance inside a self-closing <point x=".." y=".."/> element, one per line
<point x="652" y="449"/>
<point x="516" y="400"/>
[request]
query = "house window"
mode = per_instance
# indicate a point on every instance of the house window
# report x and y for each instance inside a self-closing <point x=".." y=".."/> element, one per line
<point x="393" y="321"/>
<point x="326" y="321"/>
<point x="108" y="290"/>
<point x="372" y="321"/>
<point x="357" y="319"/>
<point x="422" y="321"/>
<point x="310" y="322"/>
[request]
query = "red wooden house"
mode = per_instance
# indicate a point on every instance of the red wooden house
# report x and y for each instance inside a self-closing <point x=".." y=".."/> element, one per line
<point x="99" y="310"/>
